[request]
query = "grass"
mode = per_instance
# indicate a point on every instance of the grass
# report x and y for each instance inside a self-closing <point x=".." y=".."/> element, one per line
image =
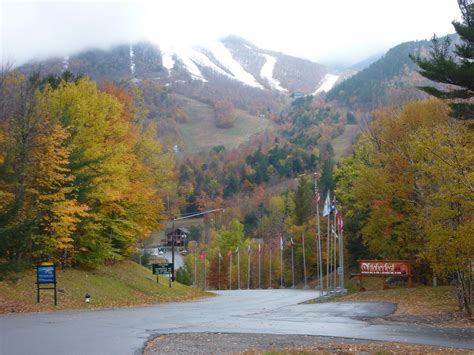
<point x="201" y="134"/>
<point x="342" y="144"/>
<point x="121" y="285"/>
<point x="419" y="300"/>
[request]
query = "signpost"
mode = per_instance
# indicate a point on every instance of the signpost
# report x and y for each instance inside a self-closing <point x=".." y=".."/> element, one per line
<point x="163" y="269"/>
<point x="46" y="275"/>
<point x="384" y="268"/>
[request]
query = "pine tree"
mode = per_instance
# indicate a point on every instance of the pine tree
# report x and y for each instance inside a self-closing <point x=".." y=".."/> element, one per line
<point x="453" y="68"/>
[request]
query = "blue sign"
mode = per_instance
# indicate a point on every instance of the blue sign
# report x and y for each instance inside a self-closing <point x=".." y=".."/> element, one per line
<point x="46" y="274"/>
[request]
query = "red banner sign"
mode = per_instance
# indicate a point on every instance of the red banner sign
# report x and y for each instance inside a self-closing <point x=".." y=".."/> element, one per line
<point x="384" y="267"/>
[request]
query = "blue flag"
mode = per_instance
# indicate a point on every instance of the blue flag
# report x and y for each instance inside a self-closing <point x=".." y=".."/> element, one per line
<point x="327" y="206"/>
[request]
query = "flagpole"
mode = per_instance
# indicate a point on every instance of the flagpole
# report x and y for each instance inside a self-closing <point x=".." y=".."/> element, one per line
<point x="248" y="269"/>
<point x="259" y="265"/>
<point x="281" y="262"/>
<point x="270" y="276"/>
<point x="342" y="258"/>
<point x="319" y="250"/>
<point x="204" y="272"/>
<point x="335" y="244"/>
<point x="238" y="268"/>
<point x="219" y="272"/>
<point x="195" y="268"/>
<point x="328" y="256"/>
<point x="304" y="263"/>
<point x="292" y="263"/>
<point x="230" y="272"/>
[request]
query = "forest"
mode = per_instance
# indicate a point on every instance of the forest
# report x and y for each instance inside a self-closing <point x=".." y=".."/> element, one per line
<point x="84" y="178"/>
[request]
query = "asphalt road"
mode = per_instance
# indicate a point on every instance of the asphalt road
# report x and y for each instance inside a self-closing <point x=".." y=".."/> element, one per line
<point x="125" y="331"/>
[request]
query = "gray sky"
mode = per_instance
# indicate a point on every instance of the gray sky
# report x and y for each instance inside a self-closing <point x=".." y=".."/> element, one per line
<point x="321" y="30"/>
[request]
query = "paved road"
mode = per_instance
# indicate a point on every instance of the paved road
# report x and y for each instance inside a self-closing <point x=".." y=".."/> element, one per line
<point x="124" y="331"/>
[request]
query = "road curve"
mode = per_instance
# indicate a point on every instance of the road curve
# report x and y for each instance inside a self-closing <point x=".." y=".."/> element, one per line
<point x="125" y="331"/>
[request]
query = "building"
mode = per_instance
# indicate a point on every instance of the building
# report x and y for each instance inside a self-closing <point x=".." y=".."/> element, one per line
<point x="180" y="236"/>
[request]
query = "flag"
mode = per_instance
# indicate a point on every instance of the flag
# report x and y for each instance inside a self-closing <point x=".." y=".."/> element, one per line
<point x="333" y="205"/>
<point x="220" y="256"/>
<point x="259" y="249"/>
<point x="237" y="250"/>
<point x="327" y="206"/>
<point x="292" y="242"/>
<point x="339" y="222"/>
<point x="202" y="256"/>
<point x="248" y="250"/>
<point x="317" y="197"/>
<point x="229" y="253"/>
<point x="281" y="243"/>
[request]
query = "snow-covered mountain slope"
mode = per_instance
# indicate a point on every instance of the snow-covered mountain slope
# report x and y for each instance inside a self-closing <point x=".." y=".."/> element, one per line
<point x="231" y="60"/>
<point x="327" y="83"/>
<point x="267" y="73"/>
<point x="241" y="61"/>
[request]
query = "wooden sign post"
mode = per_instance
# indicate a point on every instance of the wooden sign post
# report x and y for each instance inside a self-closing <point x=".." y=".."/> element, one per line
<point x="46" y="275"/>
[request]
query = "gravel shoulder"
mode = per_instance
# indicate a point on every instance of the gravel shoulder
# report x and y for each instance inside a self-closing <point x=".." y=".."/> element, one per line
<point x="226" y="343"/>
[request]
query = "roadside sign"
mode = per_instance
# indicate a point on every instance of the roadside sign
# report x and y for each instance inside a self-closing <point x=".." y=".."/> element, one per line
<point x="46" y="275"/>
<point x="163" y="268"/>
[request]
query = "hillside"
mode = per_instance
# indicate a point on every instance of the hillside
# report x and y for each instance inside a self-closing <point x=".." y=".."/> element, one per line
<point x="200" y="132"/>
<point x="123" y="284"/>
<point x="390" y="80"/>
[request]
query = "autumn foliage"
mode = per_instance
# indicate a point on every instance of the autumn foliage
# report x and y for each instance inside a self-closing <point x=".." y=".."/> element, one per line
<point x="81" y="179"/>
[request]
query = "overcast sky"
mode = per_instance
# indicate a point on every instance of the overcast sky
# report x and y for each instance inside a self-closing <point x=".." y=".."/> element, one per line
<point x="321" y="30"/>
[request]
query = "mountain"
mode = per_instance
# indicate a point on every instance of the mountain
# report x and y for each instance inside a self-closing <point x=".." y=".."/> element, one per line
<point x="232" y="69"/>
<point x="392" y="79"/>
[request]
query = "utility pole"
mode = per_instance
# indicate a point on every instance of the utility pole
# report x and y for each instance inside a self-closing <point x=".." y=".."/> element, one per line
<point x="173" y="277"/>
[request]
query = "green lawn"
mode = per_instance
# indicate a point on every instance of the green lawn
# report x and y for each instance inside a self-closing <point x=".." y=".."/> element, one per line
<point x="123" y="284"/>
<point x="201" y="134"/>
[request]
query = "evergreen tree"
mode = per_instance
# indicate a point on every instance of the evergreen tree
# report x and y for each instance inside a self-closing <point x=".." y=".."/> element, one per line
<point x="453" y="68"/>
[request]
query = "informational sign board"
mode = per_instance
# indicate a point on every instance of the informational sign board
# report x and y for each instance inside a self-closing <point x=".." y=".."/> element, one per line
<point x="46" y="275"/>
<point x="163" y="269"/>
<point x="384" y="267"/>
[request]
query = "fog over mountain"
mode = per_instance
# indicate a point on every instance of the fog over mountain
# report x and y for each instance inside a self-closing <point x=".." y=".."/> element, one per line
<point x="343" y="32"/>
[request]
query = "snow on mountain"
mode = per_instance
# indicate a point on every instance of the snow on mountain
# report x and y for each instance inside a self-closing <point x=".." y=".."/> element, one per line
<point x="168" y="61"/>
<point x="185" y="55"/>
<point x="326" y="84"/>
<point x="267" y="73"/>
<point x="223" y="55"/>
<point x="214" y="56"/>
<point x="65" y="63"/>
<point x="132" y="63"/>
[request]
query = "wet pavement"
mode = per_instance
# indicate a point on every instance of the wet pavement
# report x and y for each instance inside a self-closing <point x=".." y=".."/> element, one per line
<point x="125" y="331"/>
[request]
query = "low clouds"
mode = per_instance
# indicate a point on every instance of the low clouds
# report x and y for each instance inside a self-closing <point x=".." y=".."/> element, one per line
<point x="343" y="31"/>
<point x="42" y="29"/>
